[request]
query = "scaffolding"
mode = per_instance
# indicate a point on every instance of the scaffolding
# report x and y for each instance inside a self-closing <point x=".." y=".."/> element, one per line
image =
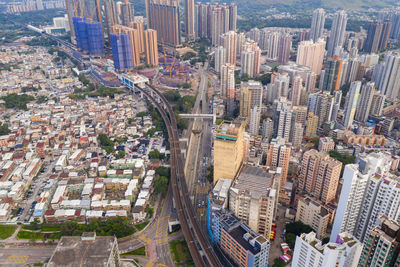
<point x="121" y="51"/>
<point x="89" y="36"/>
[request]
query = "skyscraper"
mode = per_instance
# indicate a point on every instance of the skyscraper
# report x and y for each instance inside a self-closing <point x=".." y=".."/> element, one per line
<point x="228" y="86"/>
<point x="229" y="41"/>
<point x="317" y="24"/>
<point x="164" y="18"/>
<point x="388" y="80"/>
<point x="255" y="89"/>
<point x="309" y="251"/>
<point x="332" y="74"/>
<point x="220" y="58"/>
<point x="229" y="149"/>
<point x="250" y="59"/>
<point x="321" y="104"/>
<point x="311" y="54"/>
<point x="365" y="102"/>
<point x="284" y="45"/>
<point x="126" y="13"/>
<point x="150" y="47"/>
<point x="319" y="175"/>
<point x="254" y="124"/>
<point x="245" y="98"/>
<point x="382" y="246"/>
<point x="336" y="37"/>
<point x="351" y="103"/>
<point x="312" y="125"/>
<point x="134" y="44"/>
<point x="283" y="118"/>
<point x="138" y="25"/>
<point x="367" y="192"/>
<point x="189" y="18"/>
<point x="378" y="36"/>
<point x="297" y="91"/>
<point x="89" y="36"/>
<point x="377" y="104"/>
<point x="278" y="156"/>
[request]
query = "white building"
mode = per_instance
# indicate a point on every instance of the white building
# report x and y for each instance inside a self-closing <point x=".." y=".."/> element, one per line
<point x="351" y="103"/>
<point x="310" y="252"/>
<point x="255" y="115"/>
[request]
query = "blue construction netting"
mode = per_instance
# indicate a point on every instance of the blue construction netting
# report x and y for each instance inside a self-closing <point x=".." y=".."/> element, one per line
<point x="89" y="36"/>
<point x="121" y="50"/>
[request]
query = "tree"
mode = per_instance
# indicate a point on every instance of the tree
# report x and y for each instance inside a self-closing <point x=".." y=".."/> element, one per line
<point x="163" y="171"/>
<point x="161" y="185"/>
<point x="155" y="154"/>
<point x="130" y="120"/>
<point x="172" y="95"/>
<point x="4" y="129"/>
<point x="210" y="175"/>
<point x="106" y="143"/>
<point x="41" y="99"/>
<point x="120" y="155"/>
<point x="35" y="224"/>
<point x="278" y="262"/>
<point x="290" y="239"/>
<point x="141" y="114"/>
<point x="17" y="101"/>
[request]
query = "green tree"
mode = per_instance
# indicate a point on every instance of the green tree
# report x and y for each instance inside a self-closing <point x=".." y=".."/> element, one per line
<point x="278" y="262"/>
<point x="172" y="95"/>
<point x="120" y="155"/>
<point x="106" y="143"/>
<point x="41" y="99"/>
<point x="4" y="129"/>
<point x="290" y="239"/>
<point x="35" y="224"/>
<point x="17" y="101"/>
<point x="141" y="114"/>
<point x="163" y="171"/>
<point x="161" y="185"/>
<point x="155" y="154"/>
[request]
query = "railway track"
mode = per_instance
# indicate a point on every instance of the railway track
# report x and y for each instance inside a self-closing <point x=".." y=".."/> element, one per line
<point x="201" y="250"/>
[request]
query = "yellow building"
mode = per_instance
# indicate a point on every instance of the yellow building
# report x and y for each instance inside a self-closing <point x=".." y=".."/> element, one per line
<point x="229" y="149"/>
<point x="312" y="125"/>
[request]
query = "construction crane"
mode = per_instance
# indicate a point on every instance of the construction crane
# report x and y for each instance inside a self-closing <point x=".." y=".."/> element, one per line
<point x="165" y="54"/>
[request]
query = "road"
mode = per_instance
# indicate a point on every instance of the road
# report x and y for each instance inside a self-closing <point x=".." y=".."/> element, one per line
<point x="24" y="256"/>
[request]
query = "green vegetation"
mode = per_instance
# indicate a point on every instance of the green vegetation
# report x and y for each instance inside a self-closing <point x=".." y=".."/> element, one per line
<point x="6" y="231"/>
<point x="157" y="120"/>
<point x="150" y="211"/>
<point x="41" y="99"/>
<point x="27" y="235"/>
<point x="17" y="101"/>
<point x="210" y="174"/>
<point x="5" y="66"/>
<point x="141" y="226"/>
<point x="218" y="121"/>
<point x="120" y="155"/>
<point x="106" y="143"/>
<point x="41" y="41"/>
<point x="141" y="114"/>
<point x="155" y="154"/>
<point x="120" y="227"/>
<point x="161" y="185"/>
<point x="163" y="171"/>
<point x="93" y="90"/>
<point x="180" y="253"/>
<point x="4" y="129"/>
<point x="35" y="18"/>
<point x="150" y="132"/>
<point x="278" y="262"/>
<point x="295" y="229"/>
<point x="137" y="252"/>
<point x="345" y="158"/>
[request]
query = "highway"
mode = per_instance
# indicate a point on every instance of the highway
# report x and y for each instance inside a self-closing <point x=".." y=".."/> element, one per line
<point x="200" y="249"/>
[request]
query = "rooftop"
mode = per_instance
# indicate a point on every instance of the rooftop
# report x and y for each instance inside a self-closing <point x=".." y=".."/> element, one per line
<point x="255" y="180"/>
<point x="74" y="251"/>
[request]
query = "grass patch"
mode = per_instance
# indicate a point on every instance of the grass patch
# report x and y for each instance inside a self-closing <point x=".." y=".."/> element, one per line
<point x="181" y="253"/>
<point x="6" y="231"/>
<point x="43" y="228"/>
<point x="141" y="226"/>
<point x="26" y="235"/>
<point x="137" y="252"/>
<point x="29" y="235"/>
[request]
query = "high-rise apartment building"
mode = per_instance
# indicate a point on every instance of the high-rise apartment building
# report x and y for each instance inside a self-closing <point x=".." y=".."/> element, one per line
<point x="189" y="19"/>
<point x="388" y="76"/>
<point x="245" y="98"/>
<point x="243" y="245"/>
<point x="377" y="104"/>
<point x="134" y="42"/>
<point x="365" y="102"/>
<point x="89" y="36"/>
<point x="311" y="54"/>
<point x="312" y="213"/>
<point x="213" y="20"/>
<point x="296" y="134"/>
<point x="309" y="251"/>
<point x="229" y="41"/>
<point x="338" y="29"/>
<point x="267" y="129"/>
<point x="279" y="87"/>
<point x="220" y="58"/>
<point x="321" y="104"/>
<point x="326" y="144"/>
<point x="284" y="45"/>
<point x="250" y="60"/>
<point x="253" y="196"/>
<point x="256" y="92"/>
<point x="283" y="118"/>
<point x="378" y="36"/>
<point x="228" y="86"/>
<point x="150" y="47"/>
<point x="368" y="191"/>
<point x="138" y="25"/>
<point x="254" y="123"/>
<point x="269" y="42"/>
<point x="229" y="150"/>
<point x="332" y="74"/>
<point x="121" y="51"/>
<point x="300" y="114"/>
<point x="278" y="156"/>
<point x="312" y="125"/>
<point x="164" y="18"/>
<point x="351" y="103"/>
<point x="319" y="175"/>
<point x="298" y="91"/>
<point x="317" y="24"/>
<point x="382" y="245"/>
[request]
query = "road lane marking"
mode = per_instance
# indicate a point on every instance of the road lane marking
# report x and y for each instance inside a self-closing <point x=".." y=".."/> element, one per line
<point x="17" y="259"/>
